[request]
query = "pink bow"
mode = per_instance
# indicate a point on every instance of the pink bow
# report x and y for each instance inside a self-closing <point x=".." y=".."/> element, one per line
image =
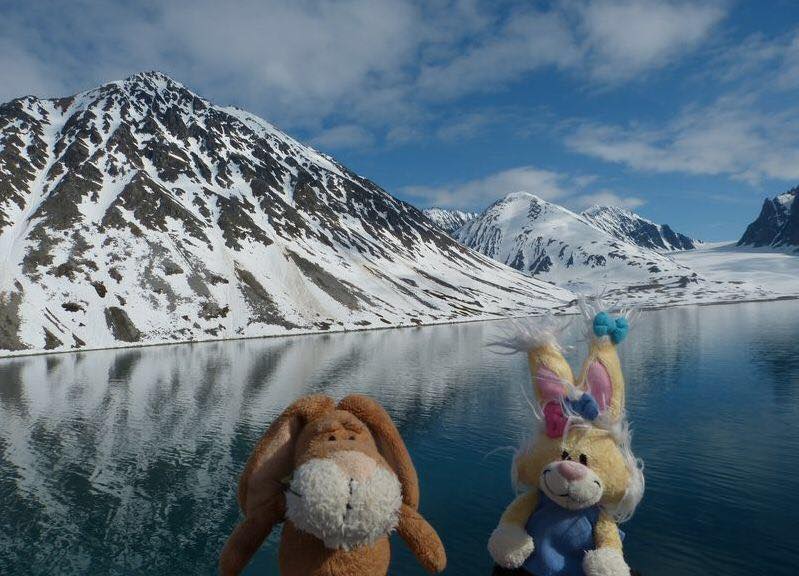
<point x="554" y="419"/>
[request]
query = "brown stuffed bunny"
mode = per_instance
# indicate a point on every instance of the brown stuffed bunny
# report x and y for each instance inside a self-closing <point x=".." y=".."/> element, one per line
<point x="341" y="479"/>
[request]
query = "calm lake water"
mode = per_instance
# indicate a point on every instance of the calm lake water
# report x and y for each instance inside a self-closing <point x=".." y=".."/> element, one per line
<point x="126" y="462"/>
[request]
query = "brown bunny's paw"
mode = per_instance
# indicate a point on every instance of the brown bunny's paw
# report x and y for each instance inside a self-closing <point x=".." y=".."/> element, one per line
<point x="436" y="560"/>
<point x="422" y="539"/>
<point x="430" y="550"/>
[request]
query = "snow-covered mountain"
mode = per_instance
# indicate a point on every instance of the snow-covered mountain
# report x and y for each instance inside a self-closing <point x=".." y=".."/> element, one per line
<point x="778" y="223"/>
<point x="139" y="212"/>
<point x="449" y="220"/>
<point x="630" y="227"/>
<point x="550" y="242"/>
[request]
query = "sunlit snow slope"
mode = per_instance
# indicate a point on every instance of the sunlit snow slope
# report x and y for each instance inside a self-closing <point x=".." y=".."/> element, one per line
<point x="139" y="212"/>
<point x="449" y="220"/>
<point x="630" y="227"/>
<point x="568" y="249"/>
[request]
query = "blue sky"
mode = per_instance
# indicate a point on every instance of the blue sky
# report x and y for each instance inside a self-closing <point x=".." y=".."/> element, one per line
<point x="686" y="112"/>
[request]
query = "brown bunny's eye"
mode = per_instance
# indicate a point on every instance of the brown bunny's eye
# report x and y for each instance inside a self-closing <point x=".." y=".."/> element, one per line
<point x="583" y="459"/>
<point x="332" y="438"/>
<point x="352" y="438"/>
<point x="565" y="456"/>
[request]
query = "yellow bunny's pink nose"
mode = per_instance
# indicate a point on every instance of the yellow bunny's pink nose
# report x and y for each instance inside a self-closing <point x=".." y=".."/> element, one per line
<point x="571" y="471"/>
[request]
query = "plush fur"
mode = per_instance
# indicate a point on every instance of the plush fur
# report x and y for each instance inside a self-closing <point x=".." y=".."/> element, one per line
<point x="571" y="493"/>
<point x="510" y="545"/>
<point x="342" y="511"/>
<point x="352" y="483"/>
<point x="605" y="562"/>
<point x="590" y="464"/>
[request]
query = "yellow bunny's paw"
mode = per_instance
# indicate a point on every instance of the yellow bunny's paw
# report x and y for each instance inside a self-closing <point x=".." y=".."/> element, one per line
<point x="510" y="545"/>
<point x="605" y="562"/>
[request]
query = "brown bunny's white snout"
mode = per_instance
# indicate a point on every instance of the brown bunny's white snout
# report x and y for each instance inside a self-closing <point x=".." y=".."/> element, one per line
<point x="571" y="484"/>
<point x="346" y="500"/>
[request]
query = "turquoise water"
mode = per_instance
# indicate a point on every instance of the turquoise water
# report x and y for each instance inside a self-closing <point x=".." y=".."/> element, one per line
<point x="125" y="462"/>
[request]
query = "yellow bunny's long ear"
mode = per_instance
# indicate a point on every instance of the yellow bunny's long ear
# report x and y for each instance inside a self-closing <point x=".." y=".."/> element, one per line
<point x="550" y="372"/>
<point x="552" y="376"/>
<point x="601" y="374"/>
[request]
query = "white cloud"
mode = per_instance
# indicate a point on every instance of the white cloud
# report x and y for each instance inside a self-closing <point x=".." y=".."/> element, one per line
<point x="553" y="186"/>
<point x="344" y="136"/>
<point x="788" y="70"/>
<point x="606" y="41"/>
<point x="733" y="137"/>
<point x="624" y="38"/>
<point x="402" y="134"/>
<point x="585" y="180"/>
<point x="297" y="62"/>
<point x="743" y="60"/>
<point x="478" y="193"/>
<point x="305" y="65"/>
<point x="467" y="126"/>
<point x="749" y="132"/>
<point x="605" y="198"/>
<point x="26" y="71"/>
<point x="525" y="42"/>
<point x="305" y="58"/>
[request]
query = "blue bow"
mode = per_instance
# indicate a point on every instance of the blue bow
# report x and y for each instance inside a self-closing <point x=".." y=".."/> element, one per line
<point x="586" y="406"/>
<point x="606" y="325"/>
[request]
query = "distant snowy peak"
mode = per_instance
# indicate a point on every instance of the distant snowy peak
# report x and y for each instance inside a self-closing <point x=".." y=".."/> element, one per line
<point x="778" y="223"/>
<point x="630" y="227"/>
<point x="550" y="242"/>
<point x="449" y="220"/>
<point x="787" y="199"/>
<point x="140" y="212"/>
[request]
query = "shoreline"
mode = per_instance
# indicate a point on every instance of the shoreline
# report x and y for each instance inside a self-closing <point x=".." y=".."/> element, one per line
<point x="558" y="311"/>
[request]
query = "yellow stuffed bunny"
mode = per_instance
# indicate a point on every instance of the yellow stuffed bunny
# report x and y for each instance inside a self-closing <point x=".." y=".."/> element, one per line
<point x="578" y="477"/>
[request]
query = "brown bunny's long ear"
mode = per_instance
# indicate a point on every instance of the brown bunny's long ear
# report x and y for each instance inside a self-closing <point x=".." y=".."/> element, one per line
<point x="601" y="375"/>
<point x="272" y="460"/>
<point x="550" y="372"/>
<point x="389" y="443"/>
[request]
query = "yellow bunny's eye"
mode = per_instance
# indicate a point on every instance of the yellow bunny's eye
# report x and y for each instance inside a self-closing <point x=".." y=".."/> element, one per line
<point x="565" y="456"/>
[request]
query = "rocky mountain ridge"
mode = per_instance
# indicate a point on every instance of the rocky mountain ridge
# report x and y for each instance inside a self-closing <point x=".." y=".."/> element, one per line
<point x="777" y="225"/>
<point x="550" y="242"/>
<point x="630" y="227"/>
<point x="139" y="212"/>
<point x="449" y="220"/>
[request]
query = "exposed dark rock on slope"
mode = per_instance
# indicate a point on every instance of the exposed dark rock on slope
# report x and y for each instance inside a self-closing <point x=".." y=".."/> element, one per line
<point x="630" y="227"/>
<point x="449" y="220"/>
<point x="550" y="242"/>
<point x="778" y="223"/>
<point x="140" y="212"/>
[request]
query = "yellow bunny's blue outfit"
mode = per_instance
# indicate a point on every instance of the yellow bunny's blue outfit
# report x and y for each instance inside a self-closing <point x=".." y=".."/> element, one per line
<point x="561" y="538"/>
